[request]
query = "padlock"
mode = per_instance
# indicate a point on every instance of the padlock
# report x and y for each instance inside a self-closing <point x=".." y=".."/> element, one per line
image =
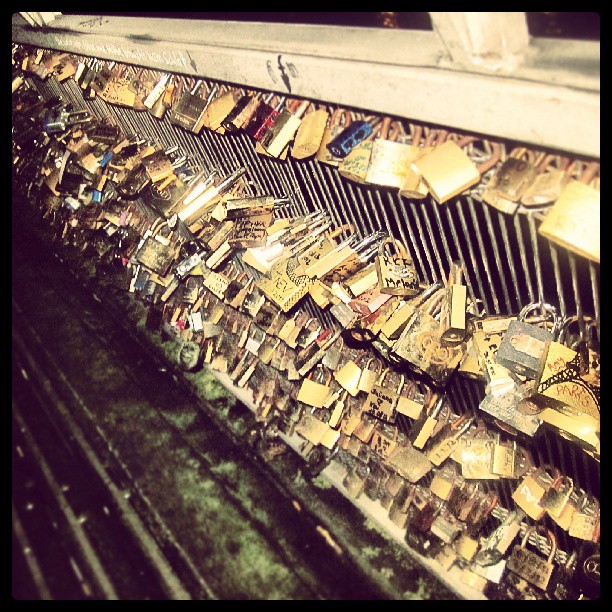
<point x="263" y="118"/>
<point x="446" y="527"/>
<point x="413" y="186"/>
<point x="562" y="585"/>
<point x="549" y="183"/>
<point x="531" y="490"/>
<point x="529" y="565"/>
<point x="342" y="144"/>
<point x="476" y="457"/>
<point x="313" y="392"/>
<point x="448" y="439"/>
<point x="523" y="347"/>
<point x="574" y="220"/>
<point x="390" y="158"/>
<point x="310" y="134"/>
<point x="444" y="482"/>
<point x="423" y="428"/>
<point x="189" y="109"/>
<point x="217" y="110"/>
<point x="510" y="182"/>
<point x="448" y="171"/>
<point x="278" y="137"/>
<point x="585" y="521"/>
<point x="466" y="546"/>
<point x="456" y="327"/>
<point x="561" y="381"/>
<point x="557" y="495"/>
<point x="348" y="376"/>
<point x="355" y="165"/>
<point x="380" y="401"/>
<point x="369" y="374"/>
<point x="397" y="274"/>
<point x="398" y="512"/>
<point x="242" y="113"/>
<point x="339" y="120"/>
<point x="158" y="166"/>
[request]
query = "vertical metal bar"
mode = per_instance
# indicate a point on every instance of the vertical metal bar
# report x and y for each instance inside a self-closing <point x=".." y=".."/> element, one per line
<point x="415" y="249"/>
<point x="432" y="239"/>
<point x="512" y="269"/>
<point x="519" y="235"/>
<point x="422" y="236"/>
<point x="555" y="260"/>
<point x="483" y="252"/>
<point x="595" y="290"/>
<point x="442" y="233"/>
<point x="498" y="261"/>
<point x="576" y="288"/>
<point x="466" y="233"/>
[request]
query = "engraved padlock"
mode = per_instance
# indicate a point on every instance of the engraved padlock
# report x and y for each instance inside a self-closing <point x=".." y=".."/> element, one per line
<point x="505" y="189"/>
<point x="397" y="273"/>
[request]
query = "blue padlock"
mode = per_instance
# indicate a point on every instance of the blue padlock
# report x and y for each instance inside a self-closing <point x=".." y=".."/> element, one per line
<point x="350" y="137"/>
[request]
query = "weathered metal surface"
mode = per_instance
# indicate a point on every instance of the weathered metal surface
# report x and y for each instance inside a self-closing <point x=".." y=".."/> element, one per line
<point x="411" y="72"/>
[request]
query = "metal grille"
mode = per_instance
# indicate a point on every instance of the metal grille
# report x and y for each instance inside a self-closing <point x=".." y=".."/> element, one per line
<point x="506" y="263"/>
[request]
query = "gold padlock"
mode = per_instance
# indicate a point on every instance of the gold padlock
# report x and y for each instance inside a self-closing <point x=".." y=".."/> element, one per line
<point x="448" y="171"/>
<point x="315" y="393"/>
<point x="529" y="565"/>
<point x="549" y="183"/>
<point x="574" y="220"/>
<point x="348" y="377"/>
<point x="531" y="490"/>
<point x="413" y="186"/>
<point x="278" y="137"/>
<point x="390" y="160"/>
<point x="310" y="134"/>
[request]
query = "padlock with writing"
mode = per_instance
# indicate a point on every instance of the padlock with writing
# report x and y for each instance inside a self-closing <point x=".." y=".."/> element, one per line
<point x="530" y="491"/>
<point x="278" y="137"/>
<point x="391" y="157"/>
<point x="381" y="399"/>
<point x="507" y="186"/>
<point x="355" y="165"/>
<point x="397" y="274"/>
<point x="530" y="565"/>
<point x="557" y="495"/>
<point x="263" y="118"/>
<point x="189" y="109"/>
<point x="585" y="521"/>
<point x="449" y="439"/>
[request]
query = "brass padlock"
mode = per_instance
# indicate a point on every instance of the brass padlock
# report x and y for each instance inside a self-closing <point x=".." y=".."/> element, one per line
<point x="510" y="182"/>
<point x="312" y="392"/>
<point x="531" y="490"/>
<point x="529" y="565"/>
<point x="557" y="496"/>
<point x="397" y="273"/>
<point x="348" y="376"/>
<point x="278" y="137"/>
<point x="242" y="112"/>
<point x="413" y="186"/>
<point x="574" y="220"/>
<point x="217" y="110"/>
<point x="448" y="171"/>
<point x="310" y="134"/>
<point x="390" y="160"/>
<point x="380" y="401"/>
<point x="549" y="183"/>
<point x="370" y="374"/>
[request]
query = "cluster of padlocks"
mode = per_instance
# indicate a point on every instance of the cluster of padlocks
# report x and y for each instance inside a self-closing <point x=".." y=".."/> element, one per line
<point x="228" y="274"/>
